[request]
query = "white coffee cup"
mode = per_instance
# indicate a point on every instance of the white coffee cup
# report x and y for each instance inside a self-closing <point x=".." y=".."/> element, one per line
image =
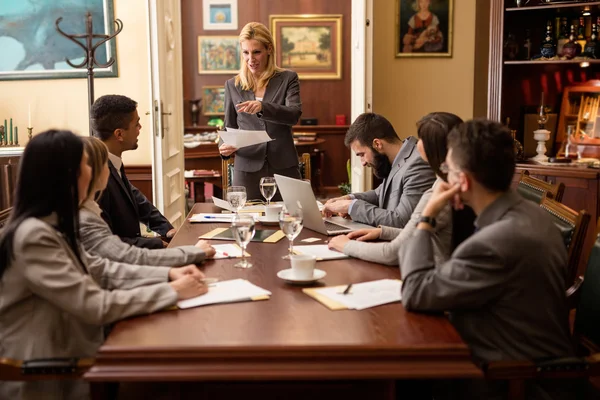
<point x="303" y="265"/>
<point x="272" y="212"/>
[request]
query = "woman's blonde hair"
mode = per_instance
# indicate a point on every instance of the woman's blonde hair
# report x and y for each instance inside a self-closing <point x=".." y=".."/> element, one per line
<point x="97" y="159"/>
<point x="259" y="32"/>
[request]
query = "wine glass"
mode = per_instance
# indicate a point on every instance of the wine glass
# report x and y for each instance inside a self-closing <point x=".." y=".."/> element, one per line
<point x="242" y="227"/>
<point x="268" y="188"/>
<point x="290" y="222"/>
<point x="236" y="196"/>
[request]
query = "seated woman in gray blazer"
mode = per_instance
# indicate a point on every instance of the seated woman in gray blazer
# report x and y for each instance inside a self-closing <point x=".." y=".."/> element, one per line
<point x="433" y="130"/>
<point x="262" y="97"/>
<point x="55" y="298"/>
<point x="98" y="239"/>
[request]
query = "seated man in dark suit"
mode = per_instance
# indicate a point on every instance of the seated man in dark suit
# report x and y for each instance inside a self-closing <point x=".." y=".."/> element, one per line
<point x="406" y="176"/>
<point x="116" y="122"/>
<point x="503" y="287"/>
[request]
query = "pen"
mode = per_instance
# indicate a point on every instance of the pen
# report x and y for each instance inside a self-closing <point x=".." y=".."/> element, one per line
<point x="347" y="289"/>
<point x="209" y="217"/>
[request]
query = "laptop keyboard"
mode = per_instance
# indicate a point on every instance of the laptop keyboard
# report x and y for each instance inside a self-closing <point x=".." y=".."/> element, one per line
<point x="331" y="227"/>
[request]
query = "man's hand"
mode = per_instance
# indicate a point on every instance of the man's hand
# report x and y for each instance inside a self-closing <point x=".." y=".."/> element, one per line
<point x="338" y="243"/>
<point x="188" y="287"/>
<point x="171" y="233"/>
<point x="364" y="235"/>
<point x="346" y="197"/>
<point x="206" y="248"/>
<point x="336" y="207"/>
<point x="226" y="150"/>
<point x="250" y="107"/>
<point x="442" y="194"/>
<point x="187" y="270"/>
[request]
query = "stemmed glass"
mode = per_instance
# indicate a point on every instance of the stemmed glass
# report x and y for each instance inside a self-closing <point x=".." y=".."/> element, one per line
<point x="236" y="196"/>
<point x="242" y="227"/>
<point x="268" y="188"/>
<point x="290" y="222"/>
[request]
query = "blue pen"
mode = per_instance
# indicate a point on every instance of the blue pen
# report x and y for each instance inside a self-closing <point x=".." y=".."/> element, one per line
<point x="209" y="217"/>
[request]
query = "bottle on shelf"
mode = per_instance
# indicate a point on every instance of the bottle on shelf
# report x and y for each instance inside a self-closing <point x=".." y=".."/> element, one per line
<point x="592" y="48"/>
<point x="563" y="35"/>
<point x="572" y="48"/>
<point x="581" y="32"/>
<point x="526" y="47"/>
<point x="511" y="47"/>
<point x="548" y="48"/>
<point x="518" y="147"/>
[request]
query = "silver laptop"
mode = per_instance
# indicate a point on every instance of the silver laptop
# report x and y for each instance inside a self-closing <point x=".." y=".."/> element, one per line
<point x="297" y="193"/>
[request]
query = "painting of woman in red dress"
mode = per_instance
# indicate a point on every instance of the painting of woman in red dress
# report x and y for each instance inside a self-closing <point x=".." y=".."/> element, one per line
<point x="426" y="28"/>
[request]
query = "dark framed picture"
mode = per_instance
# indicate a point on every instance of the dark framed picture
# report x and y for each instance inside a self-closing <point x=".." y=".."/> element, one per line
<point x="424" y="28"/>
<point x="310" y="45"/>
<point x="32" y="48"/>
<point x="213" y="98"/>
<point x="218" y="54"/>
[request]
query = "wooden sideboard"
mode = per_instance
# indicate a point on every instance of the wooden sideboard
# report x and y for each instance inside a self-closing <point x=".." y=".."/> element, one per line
<point x="581" y="193"/>
<point x="9" y="165"/>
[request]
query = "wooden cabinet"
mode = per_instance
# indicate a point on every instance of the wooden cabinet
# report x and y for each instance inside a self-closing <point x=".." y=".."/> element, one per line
<point x="9" y="163"/>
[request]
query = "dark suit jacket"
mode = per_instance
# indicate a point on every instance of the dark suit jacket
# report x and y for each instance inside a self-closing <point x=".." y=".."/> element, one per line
<point x="281" y="109"/>
<point x="124" y="209"/>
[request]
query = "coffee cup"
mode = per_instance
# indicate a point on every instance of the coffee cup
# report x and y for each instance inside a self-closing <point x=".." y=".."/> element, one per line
<point x="303" y="265"/>
<point x="272" y="212"/>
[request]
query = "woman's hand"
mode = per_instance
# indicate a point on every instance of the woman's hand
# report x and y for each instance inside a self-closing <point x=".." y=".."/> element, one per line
<point x="249" y="107"/>
<point x="206" y="248"/>
<point x="187" y="287"/>
<point x="338" y="243"/>
<point x="190" y="269"/>
<point x="364" y="235"/>
<point x="226" y="150"/>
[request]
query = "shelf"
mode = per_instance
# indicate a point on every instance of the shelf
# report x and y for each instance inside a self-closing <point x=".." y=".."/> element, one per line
<point x="567" y="4"/>
<point x="524" y="62"/>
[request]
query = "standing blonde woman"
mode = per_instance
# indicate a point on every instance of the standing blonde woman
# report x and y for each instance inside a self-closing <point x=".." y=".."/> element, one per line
<point x="262" y="97"/>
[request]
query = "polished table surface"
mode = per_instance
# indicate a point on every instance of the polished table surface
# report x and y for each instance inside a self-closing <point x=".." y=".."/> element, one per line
<point x="289" y="336"/>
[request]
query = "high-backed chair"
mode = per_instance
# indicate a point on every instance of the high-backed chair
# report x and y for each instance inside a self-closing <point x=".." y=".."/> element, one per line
<point x="227" y="170"/>
<point x="4" y="215"/>
<point x="586" y="336"/>
<point x="573" y="226"/>
<point x="535" y="189"/>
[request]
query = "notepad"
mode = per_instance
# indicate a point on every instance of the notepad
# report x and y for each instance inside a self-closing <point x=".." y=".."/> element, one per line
<point x="228" y="251"/>
<point x="321" y="251"/>
<point x="242" y="138"/>
<point x="213" y="217"/>
<point x="361" y="296"/>
<point x="260" y="235"/>
<point x="231" y="291"/>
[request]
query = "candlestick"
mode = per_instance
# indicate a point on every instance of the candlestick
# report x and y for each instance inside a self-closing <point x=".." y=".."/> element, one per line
<point x="29" y="115"/>
<point x="16" y="135"/>
<point x="11" y="132"/>
<point x="29" y="132"/>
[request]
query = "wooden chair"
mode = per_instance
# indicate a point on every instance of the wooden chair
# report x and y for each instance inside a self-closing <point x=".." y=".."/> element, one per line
<point x="4" y="215"/>
<point x="573" y="226"/>
<point x="585" y="292"/>
<point x="227" y="170"/>
<point x="44" y="369"/>
<point x="535" y="189"/>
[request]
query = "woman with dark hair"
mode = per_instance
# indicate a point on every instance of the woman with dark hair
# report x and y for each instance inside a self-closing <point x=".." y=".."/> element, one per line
<point x="54" y="298"/>
<point x="433" y="130"/>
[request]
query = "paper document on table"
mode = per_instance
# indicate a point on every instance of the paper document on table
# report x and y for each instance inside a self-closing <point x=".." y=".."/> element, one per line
<point x="241" y="138"/>
<point x="222" y="203"/>
<point x="228" y="251"/>
<point x="365" y="295"/>
<point x="207" y="217"/>
<point x="227" y="292"/>
<point x="321" y="251"/>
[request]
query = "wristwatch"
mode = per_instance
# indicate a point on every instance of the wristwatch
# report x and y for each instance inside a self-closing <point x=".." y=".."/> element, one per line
<point x="427" y="220"/>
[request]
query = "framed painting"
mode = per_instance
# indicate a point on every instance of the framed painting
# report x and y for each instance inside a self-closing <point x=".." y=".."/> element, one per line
<point x="220" y="14"/>
<point x="32" y="48"/>
<point x="213" y="98"/>
<point x="310" y="45"/>
<point x="218" y="55"/>
<point x="424" y="28"/>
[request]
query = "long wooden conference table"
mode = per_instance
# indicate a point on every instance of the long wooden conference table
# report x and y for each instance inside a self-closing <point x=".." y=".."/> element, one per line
<point x="288" y="338"/>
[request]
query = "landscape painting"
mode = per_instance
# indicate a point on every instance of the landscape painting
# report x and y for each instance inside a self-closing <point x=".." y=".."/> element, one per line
<point x="32" y="48"/>
<point x="218" y="55"/>
<point x="309" y="45"/>
<point x="213" y="98"/>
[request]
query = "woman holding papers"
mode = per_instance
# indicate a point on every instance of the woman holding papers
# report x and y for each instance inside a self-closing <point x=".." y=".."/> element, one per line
<point x="433" y="130"/>
<point x="262" y="97"/>
<point x="96" y="236"/>
<point x="55" y="298"/>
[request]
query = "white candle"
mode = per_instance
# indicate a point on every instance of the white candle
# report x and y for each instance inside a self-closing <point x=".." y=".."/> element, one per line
<point x="29" y="116"/>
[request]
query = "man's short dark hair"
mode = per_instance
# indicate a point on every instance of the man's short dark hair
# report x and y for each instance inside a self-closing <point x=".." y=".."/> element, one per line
<point x="109" y="113"/>
<point x="369" y="126"/>
<point x="485" y="149"/>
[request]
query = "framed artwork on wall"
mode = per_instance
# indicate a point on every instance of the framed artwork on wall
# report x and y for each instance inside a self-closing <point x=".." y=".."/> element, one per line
<point x="218" y="55"/>
<point x="220" y="14"/>
<point x="424" y="28"/>
<point x="310" y="45"/>
<point x="32" y="48"/>
<point x="213" y="98"/>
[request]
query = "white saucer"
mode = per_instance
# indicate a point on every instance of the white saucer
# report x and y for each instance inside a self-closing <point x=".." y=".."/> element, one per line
<point x="264" y="220"/>
<point x="288" y="276"/>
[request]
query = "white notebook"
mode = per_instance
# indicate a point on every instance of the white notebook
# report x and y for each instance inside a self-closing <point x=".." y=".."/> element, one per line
<point x="366" y="294"/>
<point x="226" y="292"/>
<point x="321" y="251"/>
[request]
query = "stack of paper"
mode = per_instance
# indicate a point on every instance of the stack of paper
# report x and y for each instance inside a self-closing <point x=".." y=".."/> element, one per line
<point x="208" y="217"/>
<point x="227" y="251"/>
<point x="241" y="138"/>
<point x="361" y="296"/>
<point x="227" y="292"/>
<point x="321" y="251"/>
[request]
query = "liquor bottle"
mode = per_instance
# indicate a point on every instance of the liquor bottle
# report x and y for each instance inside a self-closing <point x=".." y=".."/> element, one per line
<point x="581" y="32"/>
<point x="592" y="48"/>
<point x="526" y="48"/>
<point x="563" y="36"/>
<point x="548" y="48"/>
<point x="572" y="48"/>
<point x="511" y="47"/>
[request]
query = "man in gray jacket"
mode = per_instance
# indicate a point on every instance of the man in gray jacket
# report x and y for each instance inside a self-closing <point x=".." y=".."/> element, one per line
<point x="504" y="287"/>
<point x="406" y="176"/>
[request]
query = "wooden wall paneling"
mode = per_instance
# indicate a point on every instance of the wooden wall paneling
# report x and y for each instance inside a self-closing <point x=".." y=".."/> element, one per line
<point x="140" y="176"/>
<point x="482" y="51"/>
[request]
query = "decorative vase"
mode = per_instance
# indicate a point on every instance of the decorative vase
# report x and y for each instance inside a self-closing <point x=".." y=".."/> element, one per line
<point x="541" y="136"/>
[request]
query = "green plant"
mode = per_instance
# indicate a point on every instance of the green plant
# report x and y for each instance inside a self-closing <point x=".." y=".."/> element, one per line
<point x="346" y="187"/>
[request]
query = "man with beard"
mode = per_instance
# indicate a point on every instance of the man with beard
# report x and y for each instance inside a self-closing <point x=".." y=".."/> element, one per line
<point x="406" y="176"/>
<point x="116" y="122"/>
